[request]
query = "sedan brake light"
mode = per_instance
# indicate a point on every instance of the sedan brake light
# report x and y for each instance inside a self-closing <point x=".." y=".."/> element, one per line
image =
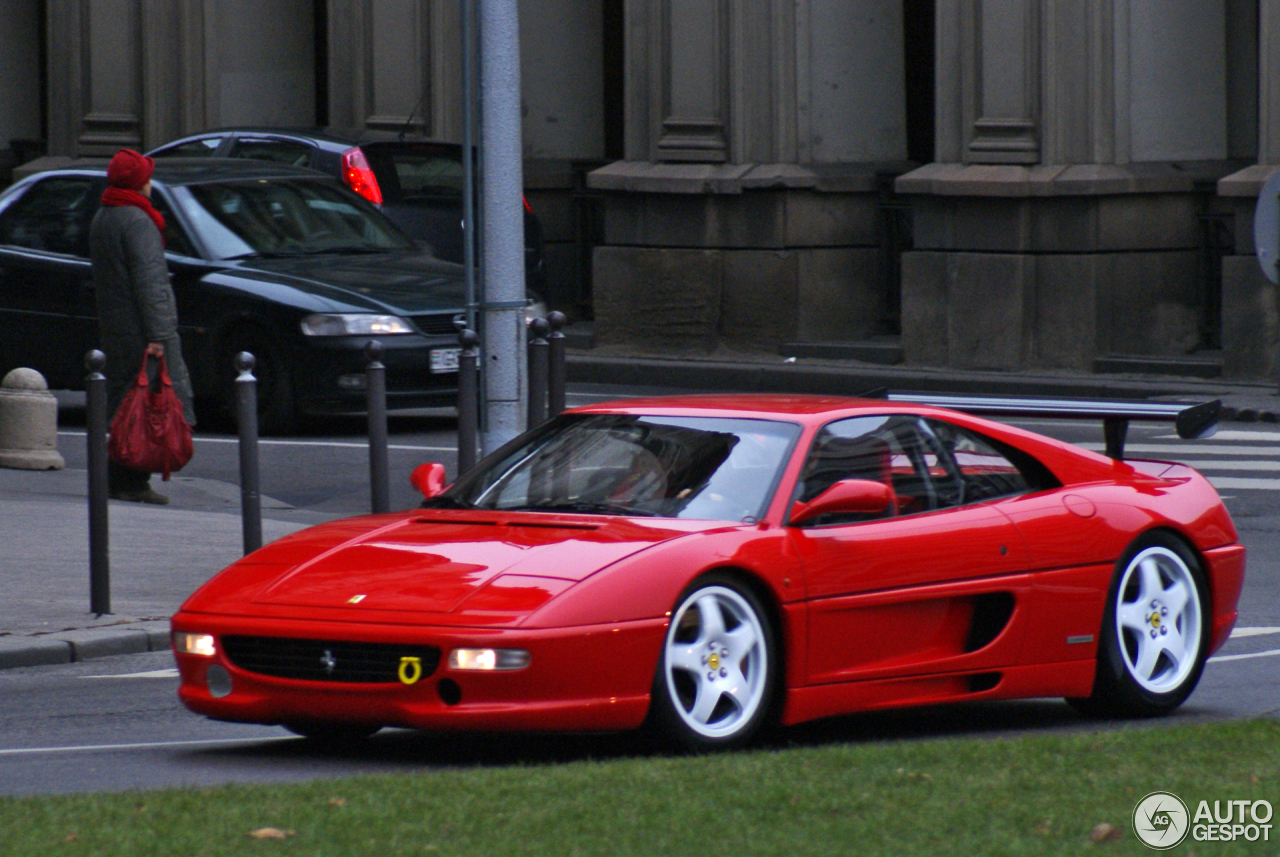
<point x="359" y="177"/>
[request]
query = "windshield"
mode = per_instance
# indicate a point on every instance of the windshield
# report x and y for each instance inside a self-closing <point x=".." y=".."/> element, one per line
<point x="621" y="464"/>
<point x="286" y="217"/>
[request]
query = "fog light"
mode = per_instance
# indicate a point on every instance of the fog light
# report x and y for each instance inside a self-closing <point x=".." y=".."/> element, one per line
<point x="488" y="659"/>
<point x="194" y="644"/>
<point x="218" y="680"/>
<point x="354" y="381"/>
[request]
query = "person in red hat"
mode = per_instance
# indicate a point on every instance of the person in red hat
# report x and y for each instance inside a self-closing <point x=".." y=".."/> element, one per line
<point x="137" y="312"/>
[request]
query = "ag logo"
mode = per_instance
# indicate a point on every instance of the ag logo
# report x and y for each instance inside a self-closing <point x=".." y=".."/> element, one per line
<point x="1161" y="821"/>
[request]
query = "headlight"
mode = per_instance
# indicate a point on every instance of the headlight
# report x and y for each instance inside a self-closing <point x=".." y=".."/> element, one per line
<point x="354" y="324"/>
<point x="194" y="644"/>
<point x="488" y="659"/>
<point x="534" y="309"/>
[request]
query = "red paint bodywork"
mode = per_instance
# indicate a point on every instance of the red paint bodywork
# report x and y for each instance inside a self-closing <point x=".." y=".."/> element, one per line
<point x="870" y="615"/>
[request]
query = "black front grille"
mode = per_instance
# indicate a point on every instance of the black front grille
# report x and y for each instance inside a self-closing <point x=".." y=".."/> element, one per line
<point x="326" y="660"/>
<point x="435" y="325"/>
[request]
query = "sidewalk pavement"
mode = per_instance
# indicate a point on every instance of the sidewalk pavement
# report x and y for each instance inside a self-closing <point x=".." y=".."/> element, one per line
<point x="159" y="555"/>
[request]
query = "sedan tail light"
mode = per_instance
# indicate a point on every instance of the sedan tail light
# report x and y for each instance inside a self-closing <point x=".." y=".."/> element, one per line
<point x="359" y="177"/>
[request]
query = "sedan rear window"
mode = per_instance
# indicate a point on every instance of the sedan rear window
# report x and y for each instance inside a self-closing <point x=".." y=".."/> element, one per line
<point x="412" y="171"/>
<point x="286" y="218"/>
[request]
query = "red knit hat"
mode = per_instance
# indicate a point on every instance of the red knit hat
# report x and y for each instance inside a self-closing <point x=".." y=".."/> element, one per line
<point x="129" y="170"/>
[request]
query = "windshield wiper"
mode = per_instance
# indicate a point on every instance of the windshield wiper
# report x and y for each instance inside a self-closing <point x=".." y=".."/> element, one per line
<point x="354" y="250"/>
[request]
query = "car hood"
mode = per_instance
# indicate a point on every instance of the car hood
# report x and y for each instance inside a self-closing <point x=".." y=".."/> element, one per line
<point x="473" y="566"/>
<point x="397" y="282"/>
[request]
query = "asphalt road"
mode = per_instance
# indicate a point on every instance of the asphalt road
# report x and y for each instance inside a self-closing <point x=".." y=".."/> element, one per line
<point x="116" y="723"/>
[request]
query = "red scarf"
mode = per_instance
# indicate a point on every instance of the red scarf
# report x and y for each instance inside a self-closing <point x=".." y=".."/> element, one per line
<point x="119" y="196"/>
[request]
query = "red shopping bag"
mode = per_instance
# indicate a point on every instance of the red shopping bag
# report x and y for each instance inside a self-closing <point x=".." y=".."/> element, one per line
<point x="149" y="431"/>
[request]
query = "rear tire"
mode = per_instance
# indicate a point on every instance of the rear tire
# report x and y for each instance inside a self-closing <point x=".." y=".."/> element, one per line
<point x="717" y="677"/>
<point x="1155" y="631"/>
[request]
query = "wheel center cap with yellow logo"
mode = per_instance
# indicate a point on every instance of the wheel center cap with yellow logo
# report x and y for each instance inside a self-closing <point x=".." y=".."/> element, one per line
<point x="714" y="661"/>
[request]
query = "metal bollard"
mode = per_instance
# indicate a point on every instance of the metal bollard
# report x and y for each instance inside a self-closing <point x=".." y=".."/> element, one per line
<point x="95" y="385"/>
<point x="376" y="386"/>
<point x="556" y="375"/>
<point x="468" y="399"/>
<point x="247" y="416"/>
<point x="538" y="347"/>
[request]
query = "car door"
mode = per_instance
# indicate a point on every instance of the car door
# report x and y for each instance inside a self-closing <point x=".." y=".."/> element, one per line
<point x="928" y="586"/>
<point x="44" y="274"/>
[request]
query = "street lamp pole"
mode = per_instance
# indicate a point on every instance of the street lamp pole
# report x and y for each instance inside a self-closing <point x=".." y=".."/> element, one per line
<point x="502" y="219"/>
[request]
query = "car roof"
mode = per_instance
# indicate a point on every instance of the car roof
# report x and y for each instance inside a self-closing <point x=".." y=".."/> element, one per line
<point x="184" y="171"/>
<point x="756" y="405"/>
<point x="338" y="138"/>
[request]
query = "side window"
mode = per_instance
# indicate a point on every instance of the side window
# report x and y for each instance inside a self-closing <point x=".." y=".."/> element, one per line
<point x="53" y="215"/>
<point x="897" y="450"/>
<point x="277" y="151"/>
<point x="989" y="468"/>
<point x="205" y="147"/>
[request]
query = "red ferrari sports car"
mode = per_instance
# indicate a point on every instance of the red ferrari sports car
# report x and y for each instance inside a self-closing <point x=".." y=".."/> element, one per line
<point x="707" y="566"/>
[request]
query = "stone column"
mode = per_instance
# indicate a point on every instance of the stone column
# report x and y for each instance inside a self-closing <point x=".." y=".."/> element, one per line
<point x="747" y="208"/>
<point x="1251" y="303"/>
<point x="1038" y="241"/>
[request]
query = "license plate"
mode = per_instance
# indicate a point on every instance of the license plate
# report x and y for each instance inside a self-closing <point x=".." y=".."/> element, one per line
<point x="445" y="360"/>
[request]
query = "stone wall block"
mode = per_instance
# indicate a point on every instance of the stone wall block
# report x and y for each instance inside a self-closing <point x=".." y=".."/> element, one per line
<point x="924" y="309"/>
<point x="657" y="298"/>
<point x="1148" y="222"/>
<point x="832" y="219"/>
<point x="760" y="295"/>
<point x="1250" y="321"/>
<point x="1065" y="327"/>
<point x="697" y="220"/>
<point x="987" y="299"/>
<point x="1152" y="303"/>
<point x="840" y="297"/>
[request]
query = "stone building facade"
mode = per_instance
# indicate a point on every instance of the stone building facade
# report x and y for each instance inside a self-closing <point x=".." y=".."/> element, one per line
<point x="967" y="183"/>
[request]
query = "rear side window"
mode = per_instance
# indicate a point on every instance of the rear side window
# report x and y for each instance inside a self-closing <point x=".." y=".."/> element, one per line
<point x="291" y="152"/>
<point x="202" y="148"/>
<point x="53" y="215"/>
<point x="409" y="172"/>
<point x="989" y="468"/>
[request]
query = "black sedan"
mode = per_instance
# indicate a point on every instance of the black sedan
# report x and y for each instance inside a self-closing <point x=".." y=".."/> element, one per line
<point x="282" y="262"/>
<point x="417" y="182"/>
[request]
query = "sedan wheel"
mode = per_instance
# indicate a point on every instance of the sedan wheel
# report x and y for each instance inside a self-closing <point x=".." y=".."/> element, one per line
<point x="717" y="675"/>
<point x="1155" y="632"/>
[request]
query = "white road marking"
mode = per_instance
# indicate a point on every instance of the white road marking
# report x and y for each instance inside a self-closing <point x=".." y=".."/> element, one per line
<point x="171" y="672"/>
<point x="1234" y="465"/>
<point x="151" y="745"/>
<point x="1229" y="483"/>
<point x="1267" y="654"/>
<point x="1253" y="632"/>
<point x="1272" y="436"/>
<point x="334" y="443"/>
<point x="1187" y="448"/>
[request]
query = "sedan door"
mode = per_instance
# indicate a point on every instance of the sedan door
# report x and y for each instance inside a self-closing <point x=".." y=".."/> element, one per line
<point x="931" y="585"/>
<point x="45" y="275"/>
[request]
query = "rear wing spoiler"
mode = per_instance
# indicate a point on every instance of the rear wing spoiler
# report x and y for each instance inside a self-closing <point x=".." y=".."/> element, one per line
<point x="1190" y="421"/>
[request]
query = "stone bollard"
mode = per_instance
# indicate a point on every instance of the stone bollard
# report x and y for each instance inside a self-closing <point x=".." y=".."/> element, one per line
<point x="28" y="423"/>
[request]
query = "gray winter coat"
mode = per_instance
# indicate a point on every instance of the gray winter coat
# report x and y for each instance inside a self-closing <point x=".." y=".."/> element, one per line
<point x="135" y="300"/>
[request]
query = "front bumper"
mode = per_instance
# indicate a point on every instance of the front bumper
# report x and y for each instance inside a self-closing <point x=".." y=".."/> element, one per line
<point x="410" y="381"/>
<point x="584" y="678"/>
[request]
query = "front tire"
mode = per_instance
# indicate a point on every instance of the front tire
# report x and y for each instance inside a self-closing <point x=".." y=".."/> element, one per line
<point x="277" y="411"/>
<point x="717" y="677"/>
<point x="1155" y="631"/>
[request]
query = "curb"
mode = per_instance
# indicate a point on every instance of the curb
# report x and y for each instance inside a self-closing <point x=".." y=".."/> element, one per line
<point x="85" y="644"/>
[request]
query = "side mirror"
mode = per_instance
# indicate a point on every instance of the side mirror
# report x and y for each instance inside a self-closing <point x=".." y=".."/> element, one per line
<point x="429" y="479"/>
<point x="846" y="497"/>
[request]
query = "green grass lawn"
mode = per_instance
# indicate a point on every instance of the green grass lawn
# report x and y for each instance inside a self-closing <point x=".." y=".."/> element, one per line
<point x="1039" y="794"/>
